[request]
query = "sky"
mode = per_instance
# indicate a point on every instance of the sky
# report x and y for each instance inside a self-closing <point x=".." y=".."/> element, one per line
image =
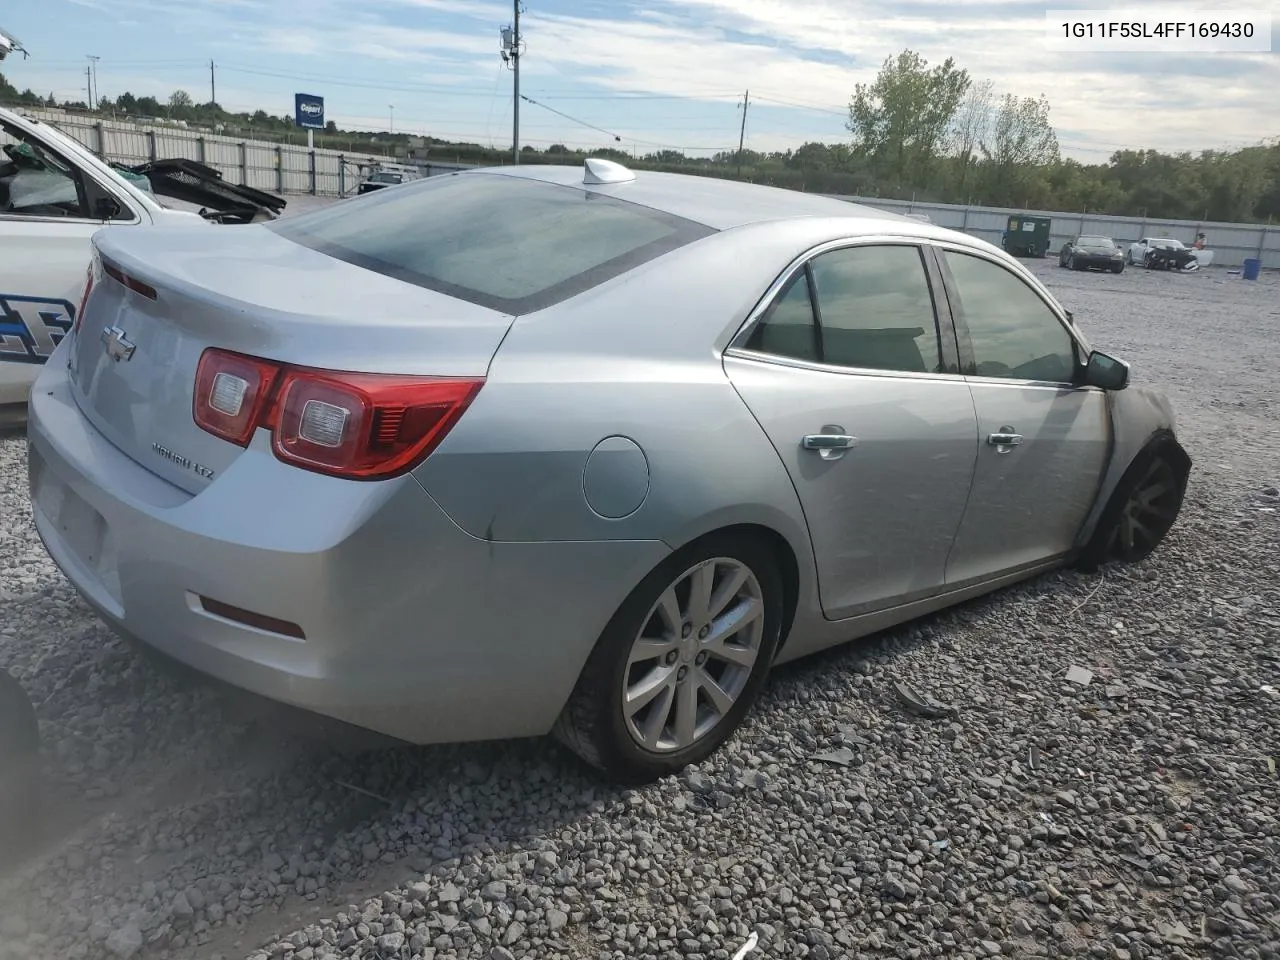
<point x="654" y="74"/>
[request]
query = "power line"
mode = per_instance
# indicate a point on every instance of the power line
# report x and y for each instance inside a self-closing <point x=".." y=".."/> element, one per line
<point x="616" y="136"/>
<point x="581" y="123"/>
<point x="804" y="106"/>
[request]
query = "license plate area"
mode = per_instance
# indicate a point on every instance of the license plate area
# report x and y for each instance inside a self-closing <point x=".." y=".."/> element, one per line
<point x="80" y="529"/>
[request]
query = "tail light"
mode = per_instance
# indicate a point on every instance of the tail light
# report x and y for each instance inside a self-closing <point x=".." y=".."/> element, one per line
<point x="90" y="275"/>
<point x="361" y="426"/>
<point x="133" y="283"/>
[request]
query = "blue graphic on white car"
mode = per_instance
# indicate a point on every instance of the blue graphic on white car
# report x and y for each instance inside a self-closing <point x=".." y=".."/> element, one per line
<point x="32" y="327"/>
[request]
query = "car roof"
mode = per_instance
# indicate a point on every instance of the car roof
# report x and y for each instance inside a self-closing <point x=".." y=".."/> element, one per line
<point x="712" y="201"/>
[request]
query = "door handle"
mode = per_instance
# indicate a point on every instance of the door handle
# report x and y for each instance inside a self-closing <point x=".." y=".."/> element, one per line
<point x="830" y="446"/>
<point x="1004" y="439"/>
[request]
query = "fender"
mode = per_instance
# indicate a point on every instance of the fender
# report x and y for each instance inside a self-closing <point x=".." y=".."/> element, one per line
<point x="1140" y="418"/>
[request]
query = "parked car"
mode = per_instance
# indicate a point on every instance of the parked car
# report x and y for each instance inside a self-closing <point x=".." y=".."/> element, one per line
<point x="386" y="175"/>
<point x="380" y="179"/>
<point x="588" y="468"/>
<point x="1090" y="252"/>
<point x="54" y="195"/>
<point x="1169" y="253"/>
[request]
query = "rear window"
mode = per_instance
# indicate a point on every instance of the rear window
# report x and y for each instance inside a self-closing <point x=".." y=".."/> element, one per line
<point x="504" y="242"/>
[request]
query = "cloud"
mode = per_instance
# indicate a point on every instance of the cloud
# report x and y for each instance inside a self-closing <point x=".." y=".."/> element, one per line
<point x="607" y="63"/>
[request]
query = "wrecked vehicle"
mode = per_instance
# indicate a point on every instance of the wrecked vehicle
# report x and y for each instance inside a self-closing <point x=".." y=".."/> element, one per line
<point x="215" y="379"/>
<point x="54" y="195"/>
<point x="1165" y="253"/>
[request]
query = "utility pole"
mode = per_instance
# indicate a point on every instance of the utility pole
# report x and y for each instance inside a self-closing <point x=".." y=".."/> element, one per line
<point x="93" y="81"/>
<point x="213" y="85"/>
<point x="88" y="84"/>
<point x="742" y="134"/>
<point x="510" y="51"/>
<point x="515" y="100"/>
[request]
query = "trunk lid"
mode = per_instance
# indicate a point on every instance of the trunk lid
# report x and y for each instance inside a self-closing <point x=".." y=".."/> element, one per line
<point x="244" y="288"/>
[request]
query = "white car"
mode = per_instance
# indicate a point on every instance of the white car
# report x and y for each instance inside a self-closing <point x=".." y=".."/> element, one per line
<point x="1138" y="251"/>
<point x="54" y="195"/>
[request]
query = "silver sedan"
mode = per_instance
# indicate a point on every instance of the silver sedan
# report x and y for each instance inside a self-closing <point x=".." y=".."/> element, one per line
<point x="574" y="450"/>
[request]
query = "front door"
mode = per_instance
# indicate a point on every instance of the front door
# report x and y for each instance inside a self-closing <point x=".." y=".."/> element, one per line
<point x="855" y="382"/>
<point x="45" y="227"/>
<point x="1042" y="442"/>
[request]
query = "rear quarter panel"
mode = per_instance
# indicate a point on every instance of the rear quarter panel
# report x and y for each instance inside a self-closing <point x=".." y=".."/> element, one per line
<point x="638" y="357"/>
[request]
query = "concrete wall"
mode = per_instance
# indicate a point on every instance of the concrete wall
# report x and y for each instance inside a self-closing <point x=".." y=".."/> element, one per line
<point x="294" y="169"/>
<point x="277" y="168"/>
<point x="1231" y="243"/>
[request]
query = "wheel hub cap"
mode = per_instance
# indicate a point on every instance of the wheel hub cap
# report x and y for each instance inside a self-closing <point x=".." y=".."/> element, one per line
<point x="694" y="655"/>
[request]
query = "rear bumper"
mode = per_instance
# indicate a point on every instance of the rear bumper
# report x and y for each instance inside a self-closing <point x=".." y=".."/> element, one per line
<point x="1087" y="261"/>
<point x="413" y="628"/>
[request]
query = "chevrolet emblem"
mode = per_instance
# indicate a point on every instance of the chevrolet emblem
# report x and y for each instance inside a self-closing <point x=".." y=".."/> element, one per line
<point x="119" y="347"/>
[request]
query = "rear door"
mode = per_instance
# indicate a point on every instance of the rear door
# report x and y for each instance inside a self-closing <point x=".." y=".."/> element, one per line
<point x="1043" y="441"/>
<point x="852" y="372"/>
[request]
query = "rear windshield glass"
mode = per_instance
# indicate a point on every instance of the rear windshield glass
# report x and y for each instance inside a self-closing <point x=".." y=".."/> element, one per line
<point x="504" y="242"/>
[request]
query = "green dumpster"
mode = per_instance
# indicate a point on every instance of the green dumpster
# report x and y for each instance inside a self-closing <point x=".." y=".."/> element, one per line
<point x="1026" y="236"/>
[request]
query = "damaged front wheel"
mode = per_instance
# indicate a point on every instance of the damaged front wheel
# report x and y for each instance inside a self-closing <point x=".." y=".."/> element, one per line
<point x="1143" y="509"/>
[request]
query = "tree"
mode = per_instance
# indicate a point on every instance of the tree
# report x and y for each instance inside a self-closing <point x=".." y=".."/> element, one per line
<point x="180" y="104"/>
<point x="1024" y="144"/>
<point x="971" y="128"/>
<point x="1023" y="135"/>
<point x="127" y="103"/>
<point x="900" y="122"/>
<point x="8" y="92"/>
<point x="149" y="107"/>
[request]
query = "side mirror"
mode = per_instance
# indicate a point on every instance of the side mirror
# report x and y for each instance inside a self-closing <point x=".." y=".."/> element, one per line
<point x="1106" y="372"/>
<point x="106" y="208"/>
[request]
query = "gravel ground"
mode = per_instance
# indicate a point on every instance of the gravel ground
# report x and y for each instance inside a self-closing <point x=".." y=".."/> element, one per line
<point x="1132" y="817"/>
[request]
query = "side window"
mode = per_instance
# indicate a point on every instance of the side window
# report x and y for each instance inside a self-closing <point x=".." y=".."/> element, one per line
<point x="1015" y="335"/>
<point x="35" y="182"/>
<point x="787" y="328"/>
<point x="875" y="309"/>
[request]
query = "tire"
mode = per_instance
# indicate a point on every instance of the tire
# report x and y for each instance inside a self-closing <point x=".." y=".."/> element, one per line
<point x="1062" y="260"/>
<point x="1162" y="463"/>
<point x="1118" y="268"/>
<point x="1071" y="262"/>
<point x="594" y="723"/>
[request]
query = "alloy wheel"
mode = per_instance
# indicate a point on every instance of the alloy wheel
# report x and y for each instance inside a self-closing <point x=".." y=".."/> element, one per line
<point x="1150" y="511"/>
<point x="693" y="656"/>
